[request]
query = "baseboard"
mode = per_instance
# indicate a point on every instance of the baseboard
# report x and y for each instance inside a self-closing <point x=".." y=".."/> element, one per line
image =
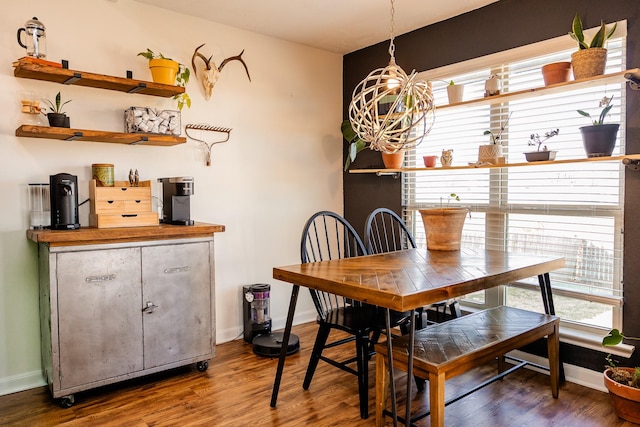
<point x="232" y="334"/>
<point x="21" y="382"/>
<point x="574" y="374"/>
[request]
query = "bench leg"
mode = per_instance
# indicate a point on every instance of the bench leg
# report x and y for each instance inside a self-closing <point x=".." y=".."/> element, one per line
<point x="382" y="388"/>
<point x="553" y="350"/>
<point x="436" y="399"/>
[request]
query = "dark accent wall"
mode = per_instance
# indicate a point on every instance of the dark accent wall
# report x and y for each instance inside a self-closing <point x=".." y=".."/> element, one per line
<point x="500" y="26"/>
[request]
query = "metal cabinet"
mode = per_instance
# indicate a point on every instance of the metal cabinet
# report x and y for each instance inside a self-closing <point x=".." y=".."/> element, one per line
<point x="117" y="311"/>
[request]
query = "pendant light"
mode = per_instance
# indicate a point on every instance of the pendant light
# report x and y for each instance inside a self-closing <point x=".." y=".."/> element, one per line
<point x="389" y="109"/>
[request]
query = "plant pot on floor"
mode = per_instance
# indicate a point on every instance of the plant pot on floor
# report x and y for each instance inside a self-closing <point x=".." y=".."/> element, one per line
<point x="163" y="70"/>
<point x="588" y="62"/>
<point x="625" y="399"/>
<point x="393" y="160"/>
<point x="58" y="120"/>
<point x="443" y="227"/>
<point x="599" y="140"/>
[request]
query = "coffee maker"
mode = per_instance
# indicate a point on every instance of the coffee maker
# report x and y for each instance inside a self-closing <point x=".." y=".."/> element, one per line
<point x="175" y="200"/>
<point x="63" y="191"/>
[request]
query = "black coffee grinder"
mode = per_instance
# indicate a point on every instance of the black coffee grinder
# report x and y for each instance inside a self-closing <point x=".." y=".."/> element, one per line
<point x="175" y="200"/>
<point x="63" y="191"/>
<point x="257" y="323"/>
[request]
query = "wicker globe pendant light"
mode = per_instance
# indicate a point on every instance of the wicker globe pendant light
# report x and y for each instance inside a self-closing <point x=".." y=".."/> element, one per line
<point x="389" y="109"/>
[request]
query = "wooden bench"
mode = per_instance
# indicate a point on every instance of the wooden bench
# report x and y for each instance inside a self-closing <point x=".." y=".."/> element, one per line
<point x="448" y="349"/>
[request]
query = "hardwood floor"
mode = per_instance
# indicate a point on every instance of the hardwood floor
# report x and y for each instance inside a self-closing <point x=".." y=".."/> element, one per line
<point x="236" y="391"/>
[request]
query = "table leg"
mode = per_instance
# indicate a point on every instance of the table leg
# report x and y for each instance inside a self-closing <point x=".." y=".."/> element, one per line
<point x="547" y="300"/>
<point x="285" y="344"/>
<point x="412" y="330"/>
<point x="394" y="402"/>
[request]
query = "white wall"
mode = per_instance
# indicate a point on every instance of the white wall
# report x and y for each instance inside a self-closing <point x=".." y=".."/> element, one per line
<point x="281" y="164"/>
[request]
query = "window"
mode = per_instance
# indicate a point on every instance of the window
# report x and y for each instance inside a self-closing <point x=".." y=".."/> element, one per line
<point x="570" y="210"/>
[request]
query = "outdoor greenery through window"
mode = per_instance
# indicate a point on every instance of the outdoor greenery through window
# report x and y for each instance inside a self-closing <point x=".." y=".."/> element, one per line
<point x="572" y="210"/>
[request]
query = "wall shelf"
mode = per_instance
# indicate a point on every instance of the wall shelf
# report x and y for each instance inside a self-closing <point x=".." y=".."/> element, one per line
<point x="630" y="159"/>
<point x="67" y="134"/>
<point x="28" y="70"/>
<point x="631" y="75"/>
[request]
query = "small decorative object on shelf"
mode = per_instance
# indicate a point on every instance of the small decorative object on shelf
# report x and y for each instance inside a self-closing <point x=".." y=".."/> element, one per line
<point x="542" y="153"/>
<point x="599" y="139"/>
<point x="556" y="72"/>
<point x="57" y="117"/>
<point x="430" y="161"/>
<point x="167" y="71"/>
<point x="590" y="59"/>
<point x="148" y="120"/>
<point x="492" y="86"/>
<point x="454" y="92"/>
<point x="446" y="159"/>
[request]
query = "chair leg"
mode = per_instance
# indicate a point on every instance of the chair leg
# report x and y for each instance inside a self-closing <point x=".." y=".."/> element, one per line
<point x="321" y="340"/>
<point x="362" y="354"/>
<point x="454" y="308"/>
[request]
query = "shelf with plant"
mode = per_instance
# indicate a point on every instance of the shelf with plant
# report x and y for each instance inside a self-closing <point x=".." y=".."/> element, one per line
<point x="30" y="70"/>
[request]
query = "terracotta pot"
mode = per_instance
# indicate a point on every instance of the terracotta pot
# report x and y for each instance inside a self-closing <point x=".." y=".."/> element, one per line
<point x="429" y="161"/>
<point x="588" y="62"/>
<point x="163" y="70"/>
<point x="443" y="227"/>
<point x="599" y="140"/>
<point x="556" y="72"/>
<point x="393" y="160"/>
<point x="625" y="399"/>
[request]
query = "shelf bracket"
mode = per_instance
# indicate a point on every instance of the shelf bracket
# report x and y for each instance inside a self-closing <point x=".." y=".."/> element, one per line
<point x="141" y="86"/>
<point x="141" y="140"/>
<point x="633" y="164"/>
<point x="634" y="80"/>
<point x="72" y="80"/>
<point x="75" y="136"/>
<point x="395" y="175"/>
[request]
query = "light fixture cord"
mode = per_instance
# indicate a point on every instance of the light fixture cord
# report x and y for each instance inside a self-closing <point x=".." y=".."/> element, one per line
<point x="392" y="47"/>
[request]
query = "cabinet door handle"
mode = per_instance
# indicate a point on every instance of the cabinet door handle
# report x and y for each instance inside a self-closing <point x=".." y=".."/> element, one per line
<point x="175" y="270"/>
<point x="103" y="278"/>
<point x="150" y="308"/>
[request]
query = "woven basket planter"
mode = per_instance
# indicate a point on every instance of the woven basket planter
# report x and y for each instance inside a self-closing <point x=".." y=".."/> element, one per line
<point x="588" y="62"/>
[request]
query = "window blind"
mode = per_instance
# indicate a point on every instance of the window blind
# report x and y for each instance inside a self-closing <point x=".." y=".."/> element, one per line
<point x="569" y="210"/>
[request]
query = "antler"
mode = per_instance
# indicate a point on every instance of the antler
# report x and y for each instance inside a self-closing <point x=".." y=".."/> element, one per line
<point x="196" y="54"/>
<point x="236" y="58"/>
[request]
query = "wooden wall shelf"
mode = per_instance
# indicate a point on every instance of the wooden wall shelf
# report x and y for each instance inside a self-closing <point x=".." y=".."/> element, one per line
<point x="65" y="76"/>
<point x="632" y="75"/>
<point x="67" y="134"/>
<point x="505" y="165"/>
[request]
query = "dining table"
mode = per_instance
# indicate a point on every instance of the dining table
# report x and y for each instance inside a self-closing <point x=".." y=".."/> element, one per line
<point x="409" y="279"/>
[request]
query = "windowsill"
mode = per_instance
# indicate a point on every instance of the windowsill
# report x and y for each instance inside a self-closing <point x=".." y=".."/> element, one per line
<point x="593" y="342"/>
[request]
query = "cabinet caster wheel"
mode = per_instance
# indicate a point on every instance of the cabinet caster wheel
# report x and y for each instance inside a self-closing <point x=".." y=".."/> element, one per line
<point x="202" y="366"/>
<point x="67" y="401"/>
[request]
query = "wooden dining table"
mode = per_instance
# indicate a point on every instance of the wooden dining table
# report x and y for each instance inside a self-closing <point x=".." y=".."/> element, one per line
<point x="410" y="279"/>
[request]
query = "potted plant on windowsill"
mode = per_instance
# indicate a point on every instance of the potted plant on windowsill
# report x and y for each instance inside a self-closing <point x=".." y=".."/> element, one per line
<point x="167" y="71"/>
<point x="591" y="58"/>
<point x="57" y="117"/>
<point x="542" y="153"/>
<point x="443" y="225"/>
<point x="599" y="139"/>
<point x="623" y="383"/>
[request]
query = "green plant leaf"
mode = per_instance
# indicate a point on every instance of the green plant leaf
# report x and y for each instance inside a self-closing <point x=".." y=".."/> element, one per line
<point x="614" y="337"/>
<point x="347" y="131"/>
<point x="599" y="38"/>
<point x="576" y="30"/>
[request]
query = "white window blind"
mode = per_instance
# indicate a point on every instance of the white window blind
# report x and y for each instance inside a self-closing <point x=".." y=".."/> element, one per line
<point x="570" y="210"/>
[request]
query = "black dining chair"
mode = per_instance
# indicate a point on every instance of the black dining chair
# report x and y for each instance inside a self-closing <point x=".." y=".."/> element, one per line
<point x="328" y="236"/>
<point x="384" y="232"/>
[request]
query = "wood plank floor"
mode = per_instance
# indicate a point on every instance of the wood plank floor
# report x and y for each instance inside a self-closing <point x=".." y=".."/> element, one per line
<point x="236" y="391"/>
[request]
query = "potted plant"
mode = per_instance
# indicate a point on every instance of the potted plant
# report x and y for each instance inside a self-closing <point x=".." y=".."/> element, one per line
<point x="542" y="153"/>
<point x="491" y="153"/>
<point x="167" y="71"/>
<point x="57" y="117"/>
<point x="591" y="58"/>
<point x="443" y="225"/>
<point x="599" y="139"/>
<point x="556" y="72"/>
<point x="623" y="383"/>
<point x="454" y="92"/>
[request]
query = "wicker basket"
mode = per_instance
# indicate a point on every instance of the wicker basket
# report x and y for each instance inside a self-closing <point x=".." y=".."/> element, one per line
<point x="588" y="62"/>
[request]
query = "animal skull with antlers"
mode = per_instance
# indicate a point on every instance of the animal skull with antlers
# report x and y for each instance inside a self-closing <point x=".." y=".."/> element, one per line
<point x="211" y="71"/>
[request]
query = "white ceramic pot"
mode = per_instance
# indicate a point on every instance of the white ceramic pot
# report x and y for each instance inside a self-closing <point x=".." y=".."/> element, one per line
<point x="455" y="93"/>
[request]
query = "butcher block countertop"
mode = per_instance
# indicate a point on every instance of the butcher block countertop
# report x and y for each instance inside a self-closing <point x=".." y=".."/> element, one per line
<point x="91" y="235"/>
